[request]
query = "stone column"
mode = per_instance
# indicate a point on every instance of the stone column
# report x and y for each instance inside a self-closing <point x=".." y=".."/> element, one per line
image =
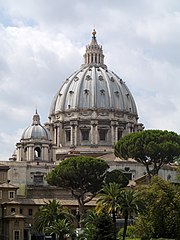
<point x="73" y="125"/>
<point x="92" y="135"/>
<point x="93" y="57"/>
<point x="97" y="58"/>
<point x="55" y="134"/>
<point x="32" y="152"/>
<point x="96" y="135"/>
<point x="129" y="125"/>
<point x="116" y="132"/>
<point x="23" y="154"/>
<point x="45" y="152"/>
<point x="75" y="135"/>
<point x="19" y="154"/>
<point x="53" y="154"/>
<point x="72" y="136"/>
<point x="112" y="133"/>
<point x="94" y="132"/>
<point x="61" y="135"/>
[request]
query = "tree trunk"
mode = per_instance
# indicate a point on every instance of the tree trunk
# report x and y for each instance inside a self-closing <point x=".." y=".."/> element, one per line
<point x="81" y="210"/>
<point x="125" y="224"/>
<point x="114" y="223"/>
<point x="148" y="172"/>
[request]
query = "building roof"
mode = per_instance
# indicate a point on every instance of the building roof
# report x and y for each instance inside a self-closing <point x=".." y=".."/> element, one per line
<point x="43" y="201"/>
<point x="8" y="185"/>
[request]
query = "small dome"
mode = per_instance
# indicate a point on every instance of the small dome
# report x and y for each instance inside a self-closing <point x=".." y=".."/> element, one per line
<point x="36" y="130"/>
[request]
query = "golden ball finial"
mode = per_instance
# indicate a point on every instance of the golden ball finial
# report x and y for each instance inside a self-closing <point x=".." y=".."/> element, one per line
<point x="94" y="32"/>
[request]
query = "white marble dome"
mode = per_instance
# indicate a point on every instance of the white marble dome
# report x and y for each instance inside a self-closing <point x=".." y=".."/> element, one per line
<point x="36" y="130"/>
<point x="94" y="86"/>
<point x="93" y="108"/>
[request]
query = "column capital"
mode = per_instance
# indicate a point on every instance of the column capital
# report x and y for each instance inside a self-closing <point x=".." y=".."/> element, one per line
<point x="94" y="122"/>
<point x="73" y="123"/>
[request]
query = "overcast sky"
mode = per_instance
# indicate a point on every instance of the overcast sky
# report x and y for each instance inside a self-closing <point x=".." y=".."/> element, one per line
<point x="42" y="44"/>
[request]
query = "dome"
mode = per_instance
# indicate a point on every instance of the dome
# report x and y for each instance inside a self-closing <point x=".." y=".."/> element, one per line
<point x="94" y="87"/>
<point x="36" y="130"/>
<point x="92" y="109"/>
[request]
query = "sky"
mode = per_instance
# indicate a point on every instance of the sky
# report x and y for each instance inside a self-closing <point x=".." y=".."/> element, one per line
<point x="42" y="43"/>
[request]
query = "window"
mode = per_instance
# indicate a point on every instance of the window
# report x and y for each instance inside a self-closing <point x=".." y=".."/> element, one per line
<point x="16" y="235"/>
<point x="13" y="210"/>
<point x="2" y="177"/>
<point x="68" y="135"/>
<point x="21" y="211"/>
<point x="102" y="134"/>
<point x="30" y="211"/>
<point x="11" y="194"/>
<point x="38" y="179"/>
<point x="119" y="134"/>
<point x="85" y="134"/>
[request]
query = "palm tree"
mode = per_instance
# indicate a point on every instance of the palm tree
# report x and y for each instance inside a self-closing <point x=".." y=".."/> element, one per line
<point x="109" y="201"/>
<point x="51" y="212"/>
<point x="88" y="222"/>
<point x="61" y="228"/>
<point x="128" y="202"/>
<point x="97" y="226"/>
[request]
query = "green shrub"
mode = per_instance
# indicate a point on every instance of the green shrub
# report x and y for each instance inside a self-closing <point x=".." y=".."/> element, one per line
<point x="130" y="234"/>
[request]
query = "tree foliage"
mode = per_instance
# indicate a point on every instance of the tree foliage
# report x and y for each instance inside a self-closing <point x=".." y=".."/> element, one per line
<point x="117" y="201"/>
<point x="153" y="148"/>
<point x="129" y="205"/>
<point x="160" y="214"/>
<point x="84" y="176"/>
<point x="62" y="228"/>
<point x="108" y="201"/>
<point x="49" y="214"/>
<point x="116" y="176"/>
<point x="97" y="227"/>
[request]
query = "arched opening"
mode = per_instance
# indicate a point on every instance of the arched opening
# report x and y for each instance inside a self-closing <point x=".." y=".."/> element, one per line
<point x="37" y="153"/>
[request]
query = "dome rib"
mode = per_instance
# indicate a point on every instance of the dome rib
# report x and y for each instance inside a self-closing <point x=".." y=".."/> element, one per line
<point x="80" y="91"/>
<point x="105" y="76"/>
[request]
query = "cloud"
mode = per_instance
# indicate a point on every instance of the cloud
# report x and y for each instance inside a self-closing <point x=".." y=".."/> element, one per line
<point x="42" y="44"/>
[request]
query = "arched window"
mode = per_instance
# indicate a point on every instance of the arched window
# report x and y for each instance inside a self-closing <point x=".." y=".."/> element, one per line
<point x="37" y="152"/>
